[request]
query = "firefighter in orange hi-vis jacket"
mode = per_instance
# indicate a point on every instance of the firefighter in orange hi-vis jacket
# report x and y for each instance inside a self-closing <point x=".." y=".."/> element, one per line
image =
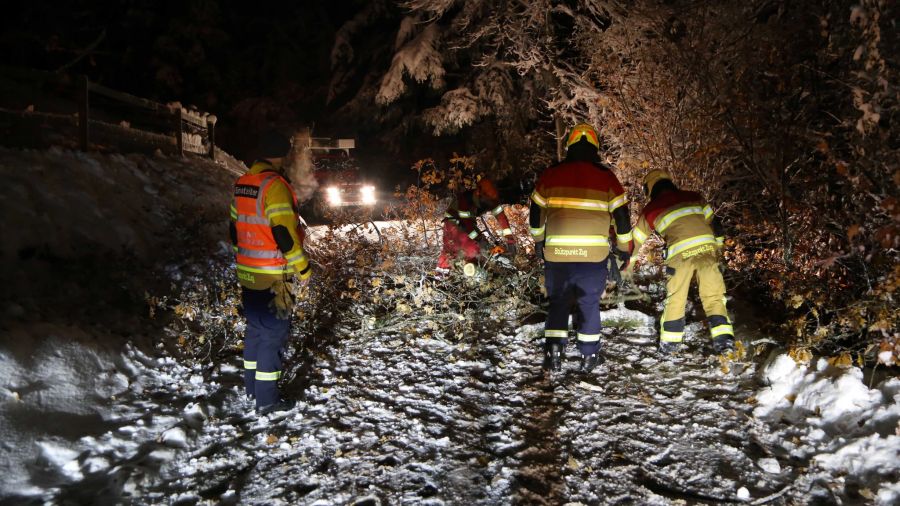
<point x="268" y="244"/>
<point x="461" y="235"/>
<point x="572" y="207"/>
<point x="693" y="238"/>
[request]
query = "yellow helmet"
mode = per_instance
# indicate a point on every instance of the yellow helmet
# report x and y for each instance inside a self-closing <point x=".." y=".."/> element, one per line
<point x="653" y="177"/>
<point x="583" y="130"/>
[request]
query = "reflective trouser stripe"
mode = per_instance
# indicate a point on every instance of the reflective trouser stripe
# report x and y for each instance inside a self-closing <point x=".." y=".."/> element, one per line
<point x="536" y="231"/>
<point x="721" y="329"/>
<point x="671" y="337"/>
<point x="497" y="210"/>
<point x="556" y="333"/>
<point x="473" y="234"/>
<point x="588" y="338"/>
<point x="268" y="376"/>
<point x="249" y="365"/>
<point x="507" y="231"/>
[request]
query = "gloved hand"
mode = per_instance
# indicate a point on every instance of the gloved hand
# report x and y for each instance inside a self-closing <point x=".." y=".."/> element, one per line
<point x="624" y="260"/>
<point x="539" y="249"/>
<point x="282" y="304"/>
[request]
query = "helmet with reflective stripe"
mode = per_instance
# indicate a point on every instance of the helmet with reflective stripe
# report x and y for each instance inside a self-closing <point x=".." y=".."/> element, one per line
<point x="653" y="177"/>
<point x="583" y="130"/>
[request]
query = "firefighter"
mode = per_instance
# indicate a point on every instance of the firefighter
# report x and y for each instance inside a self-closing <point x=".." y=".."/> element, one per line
<point x="694" y="239"/>
<point x="461" y="235"/>
<point x="268" y="243"/>
<point x="572" y="207"/>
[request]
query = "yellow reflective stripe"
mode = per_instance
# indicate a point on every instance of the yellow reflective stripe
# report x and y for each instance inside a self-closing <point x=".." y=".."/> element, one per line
<point x="617" y="202"/>
<point x="707" y="212"/>
<point x="292" y="257"/>
<point x="639" y="235"/>
<point x="234" y="248"/>
<point x="720" y="241"/>
<point x="680" y="246"/>
<point x="721" y="329"/>
<point x="473" y="234"/>
<point x="507" y="231"/>
<point x="536" y="231"/>
<point x="588" y="338"/>
<point x="624" y="237"/>
<point x="278" y="207"/>
<point x="250" y="365"/>
<point x="281" y="213"/>
<point x="538" y="199"/>
<point x="268" y="376"/>
<point x="577" y="240"/>
<point x="556" y="333"/>
<point x="671" y="337"/>
<point x="276" y="269"/>
<point x="234" y="212"/>
<point x="572" y="203"/>
<point x="497" y="210"/>
<point x="464" y="214"/>
<point x="668" y="218"/>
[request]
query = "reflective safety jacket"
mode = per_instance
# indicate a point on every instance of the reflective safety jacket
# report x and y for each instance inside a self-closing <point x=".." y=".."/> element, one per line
<point x="464" y="211"/>
<point x="268" y="242"/>
<point x="576" y="201"/>
<point x="683" y="219"/>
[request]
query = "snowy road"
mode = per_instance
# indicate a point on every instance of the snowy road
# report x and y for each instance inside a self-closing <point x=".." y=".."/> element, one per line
<point x="404" y="419"/>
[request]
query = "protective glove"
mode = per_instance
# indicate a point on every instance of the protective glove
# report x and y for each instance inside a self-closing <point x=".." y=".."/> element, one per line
<point x="624" y="259"/>
<point x="282" y="304"/>
<point x="539" y="249"/>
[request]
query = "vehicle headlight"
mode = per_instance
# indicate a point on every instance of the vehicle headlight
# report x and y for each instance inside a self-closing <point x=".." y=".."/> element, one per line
<point x="334" y="196"/>
<point x="368" y="194"/>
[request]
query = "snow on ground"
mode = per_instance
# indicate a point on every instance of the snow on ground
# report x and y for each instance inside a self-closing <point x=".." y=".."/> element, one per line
<point x="827" y="414"/>
<point x="408" y="418"/>
<point x="389" y="417"/>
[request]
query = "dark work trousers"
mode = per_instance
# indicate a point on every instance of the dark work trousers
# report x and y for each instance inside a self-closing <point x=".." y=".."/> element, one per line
<point x="583" y="283"/>
<point x="264" y="341"/>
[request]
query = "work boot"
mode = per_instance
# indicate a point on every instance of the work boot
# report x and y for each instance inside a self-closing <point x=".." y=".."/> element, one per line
<point x="589" y="362"/>
<point x="723" y="343"/>
<point x="669" y="348"/>
<point x="553" y="356"/>
<point x="281" y="405"/>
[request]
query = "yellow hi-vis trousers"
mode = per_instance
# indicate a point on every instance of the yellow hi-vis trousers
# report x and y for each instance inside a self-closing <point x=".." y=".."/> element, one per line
<point x="681" y="268"/>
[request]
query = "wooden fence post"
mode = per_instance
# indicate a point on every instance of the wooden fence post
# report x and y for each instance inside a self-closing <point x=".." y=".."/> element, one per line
<point x="83" y="116"/>
<point x="179" y="132"/>
<point x="211" y="135"/>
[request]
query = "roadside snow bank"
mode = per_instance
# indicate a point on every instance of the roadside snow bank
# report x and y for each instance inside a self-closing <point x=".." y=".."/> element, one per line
<point x="62" y="390"/>
<point x="850" y="432"/>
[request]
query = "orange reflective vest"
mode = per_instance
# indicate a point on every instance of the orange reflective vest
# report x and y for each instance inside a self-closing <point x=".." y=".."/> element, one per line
<point x="257" y="250"/>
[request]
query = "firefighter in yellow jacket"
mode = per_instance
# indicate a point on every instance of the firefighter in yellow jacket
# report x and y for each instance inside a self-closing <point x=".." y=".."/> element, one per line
<point x="268" y="243"/>
<point x="693" y="240"/>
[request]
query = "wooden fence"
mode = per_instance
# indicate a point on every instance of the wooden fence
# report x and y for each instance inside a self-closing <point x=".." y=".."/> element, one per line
<point x="193" y="131"/>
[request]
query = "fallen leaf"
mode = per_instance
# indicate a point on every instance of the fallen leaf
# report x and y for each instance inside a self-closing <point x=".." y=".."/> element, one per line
<point x="271" y="439"/>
